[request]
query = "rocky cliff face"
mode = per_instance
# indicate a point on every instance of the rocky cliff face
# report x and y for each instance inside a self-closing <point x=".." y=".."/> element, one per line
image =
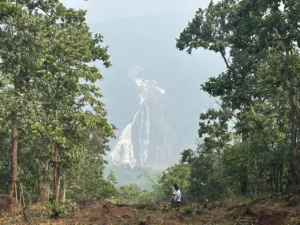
<point x="146" y="139"/>
<point x="155" y="106"/>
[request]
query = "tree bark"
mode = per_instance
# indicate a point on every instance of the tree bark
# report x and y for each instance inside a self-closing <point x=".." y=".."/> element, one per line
<point x="42" y="191"/>
<point x="16" y="193"/>
<point x="43" y="183"/>
<point x="293" y="116"/>
<point x="64" y="191"/>
<point x="293" y="144"/>
<point x="244" y="178"/>
<point x="14" y="156"/>
<point x="22" y="194"/>
<point x="56" y="175"/>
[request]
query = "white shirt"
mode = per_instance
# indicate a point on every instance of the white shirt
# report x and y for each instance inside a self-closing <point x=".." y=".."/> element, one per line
<point x="174" y="194"/>
<point x="178" y="195"/>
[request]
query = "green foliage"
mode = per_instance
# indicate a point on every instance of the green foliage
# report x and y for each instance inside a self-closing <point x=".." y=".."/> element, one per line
<point x="57" y="210"/>
<point x="206" y="178"/>
<point x="156" y="190"/>
<point x="49" y="95"/>
<point x="135" y="194"/>
<point x="259" y="43"/>
<point x="188" y="210"/>
<point x="112" y="177"/>
<point x="126" y="175"/>
<point x="53" y="120"/>
<point x="177" y="174"/>
<point x="132" y="194"/>
<point x="294" y="201"/>
<point x="88" y="180"/>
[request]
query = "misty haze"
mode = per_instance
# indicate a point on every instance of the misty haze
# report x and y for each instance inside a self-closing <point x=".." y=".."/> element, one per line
<point x="150" y="112"/>
<point x="152" y="131"/>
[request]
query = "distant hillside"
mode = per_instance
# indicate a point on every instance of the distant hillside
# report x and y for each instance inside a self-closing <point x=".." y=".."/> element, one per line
<point x="149" y="42"/>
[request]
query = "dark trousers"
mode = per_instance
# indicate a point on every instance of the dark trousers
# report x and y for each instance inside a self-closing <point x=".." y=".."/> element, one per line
<point x="177" y="204"/>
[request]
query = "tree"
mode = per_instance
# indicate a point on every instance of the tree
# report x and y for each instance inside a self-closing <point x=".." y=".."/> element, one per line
<point x="278" y="32"/>
<point x="19" y="54"/>
<point x="259" y="43"/>
<point x="177" y="174"/>
<point x="49" y="86"/>
<point x="206" y="168"/>
<point x="112" y="177"/>
<point x="71" y="48"/>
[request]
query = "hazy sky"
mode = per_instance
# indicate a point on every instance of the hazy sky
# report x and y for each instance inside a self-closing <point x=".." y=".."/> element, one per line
<point x="102" y="10"/>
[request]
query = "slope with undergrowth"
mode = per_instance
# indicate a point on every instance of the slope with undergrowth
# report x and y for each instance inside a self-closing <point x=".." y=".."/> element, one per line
<point x="262" y="211"/>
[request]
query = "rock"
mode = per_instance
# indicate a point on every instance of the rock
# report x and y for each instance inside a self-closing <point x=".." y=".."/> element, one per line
<point x="146" y="222"/>
<point x="7" y="203"/>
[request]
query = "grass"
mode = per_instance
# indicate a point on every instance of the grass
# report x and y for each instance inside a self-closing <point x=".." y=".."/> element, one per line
<point x="269" y="210"/>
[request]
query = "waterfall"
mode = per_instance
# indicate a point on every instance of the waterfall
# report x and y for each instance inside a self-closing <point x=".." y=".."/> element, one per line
<point x="144" y="133"/>
<point x="124" y="149"/>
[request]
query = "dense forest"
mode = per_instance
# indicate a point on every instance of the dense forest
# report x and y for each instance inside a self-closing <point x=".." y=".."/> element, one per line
<point x="54" y="133"/>
<point x="53" y="129"/>
<point x="248" y="146"/>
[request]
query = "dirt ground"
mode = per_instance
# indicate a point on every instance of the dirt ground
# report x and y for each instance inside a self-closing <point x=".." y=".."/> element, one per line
<point x="262" y="212"/>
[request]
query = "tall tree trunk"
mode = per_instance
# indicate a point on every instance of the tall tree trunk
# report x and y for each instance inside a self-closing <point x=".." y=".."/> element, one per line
<point x="277" y="178"/>
<point x="42" y="191"/>
<point x="293" y="117"/>
<point x="244" y="184"/>
<point x="14" y="149"/>
<point x="293" y="146"/>
<point x="64" y="191"/>
<point x="16" y="193"/>
<point x="256" y="185"/>
<point x="56" y="175"/>
<point x="22" y="194"/>
<point x="280" y="178"/>
<point x="14" y="156"/>
<point x="43" y="183"/>
<point x="244" y="178"/>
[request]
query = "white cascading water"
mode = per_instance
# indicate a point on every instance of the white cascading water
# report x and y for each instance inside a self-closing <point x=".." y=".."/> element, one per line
<point x="123" y="151"/>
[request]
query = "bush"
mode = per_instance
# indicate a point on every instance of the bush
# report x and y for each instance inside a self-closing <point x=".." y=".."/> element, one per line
<point x="57" y="210"/>
<point x="188" y="210"/>
<point x="293" y="201"/>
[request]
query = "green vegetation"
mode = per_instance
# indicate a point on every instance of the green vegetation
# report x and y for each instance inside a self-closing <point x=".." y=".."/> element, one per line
<point x="57" y="210"/>
<point x="53" y="127"/>
<point x="126" y="175"/>
<point x="248" y="146"/>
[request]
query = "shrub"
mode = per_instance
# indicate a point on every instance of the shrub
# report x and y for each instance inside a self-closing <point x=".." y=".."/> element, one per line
<point x="57" y="210"/>
<point x="188" y="210"/>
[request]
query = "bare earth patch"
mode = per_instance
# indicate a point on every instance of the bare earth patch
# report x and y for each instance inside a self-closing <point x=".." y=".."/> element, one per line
<point x="106" y="213"/>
